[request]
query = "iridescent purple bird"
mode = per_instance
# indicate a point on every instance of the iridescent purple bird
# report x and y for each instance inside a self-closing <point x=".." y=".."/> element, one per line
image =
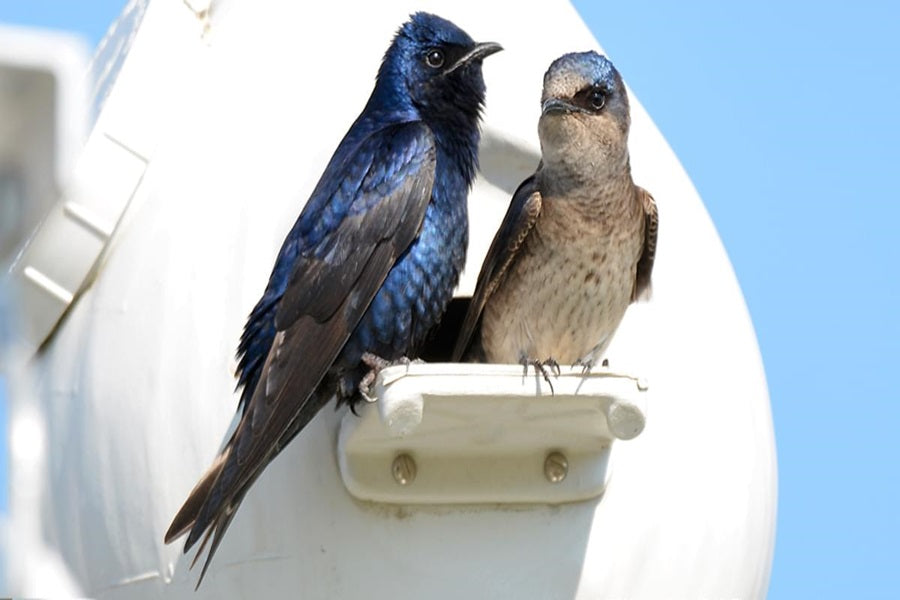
<point x="367" y="269"/>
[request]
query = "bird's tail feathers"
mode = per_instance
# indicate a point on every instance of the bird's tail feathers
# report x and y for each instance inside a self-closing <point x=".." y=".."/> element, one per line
<point x="216" y="532"/>
<point x="187" y="516"/>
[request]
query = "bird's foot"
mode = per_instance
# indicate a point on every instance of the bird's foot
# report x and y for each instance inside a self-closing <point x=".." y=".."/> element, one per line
<point x="365" y="386"/>
<point x="587" y="364"/>
<point x="541" y="366"/>
<point x="376" y="364"/>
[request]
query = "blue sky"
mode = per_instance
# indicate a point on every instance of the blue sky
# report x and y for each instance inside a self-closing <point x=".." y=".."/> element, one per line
<point x="785" y="116"/>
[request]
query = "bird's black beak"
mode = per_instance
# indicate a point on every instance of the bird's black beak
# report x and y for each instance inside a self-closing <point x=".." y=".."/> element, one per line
<point x="557" y="105"/>
<point x="478" y="52"/>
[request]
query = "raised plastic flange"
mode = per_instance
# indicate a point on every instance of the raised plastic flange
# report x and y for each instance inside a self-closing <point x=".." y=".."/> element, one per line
<point x="63" y="252"/>
<point x="475" y="434"/>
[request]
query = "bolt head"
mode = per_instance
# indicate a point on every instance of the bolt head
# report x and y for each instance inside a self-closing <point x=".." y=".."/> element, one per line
<point x="556" y="467"/>
<point x="404" y="469"/>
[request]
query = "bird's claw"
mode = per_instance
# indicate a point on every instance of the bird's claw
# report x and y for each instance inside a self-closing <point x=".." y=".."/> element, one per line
<point x="376" y="364"/>
<point x="588" y="364"/>
<point x="405" y="360"/>
<point x="541" y="366"/>
<point x="554" y="366"/>
<point x="365" y="386"/>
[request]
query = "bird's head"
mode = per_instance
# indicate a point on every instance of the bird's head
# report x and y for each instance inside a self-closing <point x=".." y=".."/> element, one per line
<point x="438" y="66"/>
<point x="584" y="107"/>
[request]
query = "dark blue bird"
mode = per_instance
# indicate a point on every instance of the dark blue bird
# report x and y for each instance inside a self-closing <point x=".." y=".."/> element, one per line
<point x="368" y="268"/>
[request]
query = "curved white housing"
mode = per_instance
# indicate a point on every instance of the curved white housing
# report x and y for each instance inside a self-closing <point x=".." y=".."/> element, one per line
<point x="234" y="108"/>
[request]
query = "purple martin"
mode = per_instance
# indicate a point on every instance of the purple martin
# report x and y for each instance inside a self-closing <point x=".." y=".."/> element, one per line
<point x="577" y="244"/>
<point x="367" y="269"/>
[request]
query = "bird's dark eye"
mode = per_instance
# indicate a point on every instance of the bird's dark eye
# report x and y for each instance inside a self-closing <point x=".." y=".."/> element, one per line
<point x="597" y="98"/>
<point x="434" y="58"/>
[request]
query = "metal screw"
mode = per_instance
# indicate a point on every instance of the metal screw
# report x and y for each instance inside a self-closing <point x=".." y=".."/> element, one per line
<point x="404" y="469"/>
<point x="556" y="467"/>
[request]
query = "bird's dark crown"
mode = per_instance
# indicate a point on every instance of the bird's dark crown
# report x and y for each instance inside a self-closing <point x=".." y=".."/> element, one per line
<point x="425" y="28"/>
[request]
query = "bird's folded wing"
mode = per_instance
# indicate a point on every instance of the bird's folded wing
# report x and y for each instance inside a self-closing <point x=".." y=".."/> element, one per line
<point x="648" y="254"/>
<point x="517" y="224"/>
<point x="388" y="180"/>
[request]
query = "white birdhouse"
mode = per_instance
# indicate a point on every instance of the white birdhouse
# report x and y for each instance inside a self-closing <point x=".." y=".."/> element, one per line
<point x="653" y="478"/>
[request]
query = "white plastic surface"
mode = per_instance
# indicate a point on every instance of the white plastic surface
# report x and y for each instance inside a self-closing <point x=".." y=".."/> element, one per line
<point x="43" y="108"/>
<point x="481" y="434"/>
<point x="63" y="253"/>
<point x="236" y="114"/>
<point x="41" y="125"/>
<point x="41" y="131"/>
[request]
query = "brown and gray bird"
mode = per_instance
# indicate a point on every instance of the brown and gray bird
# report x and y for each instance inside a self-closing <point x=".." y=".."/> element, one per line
<point x="577" y="244"/>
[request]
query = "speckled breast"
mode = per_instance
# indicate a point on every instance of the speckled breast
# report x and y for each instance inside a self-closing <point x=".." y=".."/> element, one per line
<point x="568" y="289"/>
